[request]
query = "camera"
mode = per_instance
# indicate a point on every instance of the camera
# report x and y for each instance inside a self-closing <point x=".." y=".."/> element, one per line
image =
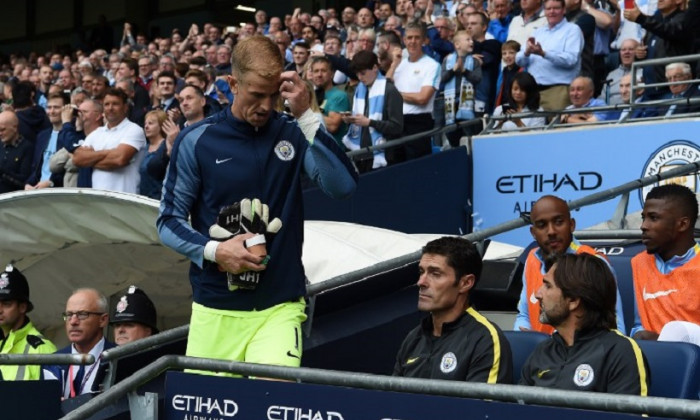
<point x="506" y="107"/>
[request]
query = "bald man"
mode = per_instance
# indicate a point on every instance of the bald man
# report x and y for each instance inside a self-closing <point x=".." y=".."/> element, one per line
<point x="581" y="96"/>
<point x="552" y="227"/>
<point x="15" y="154"/>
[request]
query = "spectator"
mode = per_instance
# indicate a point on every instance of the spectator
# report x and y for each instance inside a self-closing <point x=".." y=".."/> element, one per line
<point x="135" y="115"/>
<point x="261" y="22"/>
<point x="524" y="25"/>
<point x="99" y="87"/>
<point x="524" y="97"/>
<point x="454" y="342"/>
<point x="365" y="19"/>
<point x="581" y="96"/>
<point x="32" y="118"/>
<point x="300" y="53"/>
<point x="553" y="56"/>
<point x="199" y="79"/>
<point x="45" y="80"/>
<point x="332" y="101"/>
<point x="167" y="100"/>
<point x="19" y="336"/>
<point x="150" y="186"/>
<point x="115" y="150"/>
<point x="501" y="18"/>
<point x="71" y="136"/>
<point x="441" y="37"/>
<point x="377" y="112"/>
<point x="460" y="73"/>
<point x="552" y="228"/>
<point x="223" y="60"/>
<point x="607" y="21"/>
<point x="146" y="66"/>
<point x="510" y="68"/>
<point x="46" y="146"/>
<point x="86" y="316"/>
<point x="488" y="52"/>
<point x="417" y="78"/>
<point x="129" y="69"/>
<point x="669" y="34"/>
<point x="15" y="154"/>
<point x="664" y="290"/>
<point x="134" y="317"/>
<point x="586" y="22"/>
<point x="577" y="297"/>
<point x="679" y="72"/>
<point x="611" y="92"/>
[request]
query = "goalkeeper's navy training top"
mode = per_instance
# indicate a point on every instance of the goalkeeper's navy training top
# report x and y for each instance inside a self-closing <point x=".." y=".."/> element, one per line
<point x="222" y="160"/>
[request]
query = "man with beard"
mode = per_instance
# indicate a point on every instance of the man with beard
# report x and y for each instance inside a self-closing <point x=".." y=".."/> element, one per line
<point x="552" y="227"/>
<point x="665" y="275"/>
<point x="585" y="353"/>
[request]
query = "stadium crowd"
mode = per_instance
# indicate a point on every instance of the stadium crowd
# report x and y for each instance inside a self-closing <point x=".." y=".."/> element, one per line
<point x="106" y="116"/>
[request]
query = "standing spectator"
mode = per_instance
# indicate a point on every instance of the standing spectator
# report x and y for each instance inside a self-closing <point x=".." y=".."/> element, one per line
<point x="166" y="91"/>
<point x="417" y="77"/>
<point x="607" y="21"/>
<point x="510" y="68"/>
<point x="15" y="154"/>
<point x="488" y="52"/>
<point x="86" y="317"/>
<point x="586" y="22"/>
<point x="611" y="90"/>
<point x="32" y="118"/>
<point x="365" y="19"/>
<point x="261" y="25"/>
<point x="332" y="101"/>
<point x="146" y="66"/>
<point x="129" y="69"/>
<point x="99" y="87"/>
<point x="155" y="136"/>
<point x="501" y="18"/>
<point x="19" y="335"/>
<point x="441" y="37"/>
<point x="377" y="112"/>
<point x="553" y="56"/>
<point x="300" y="54"/>
<point x="669" y="34"/>
<point x="46" y="146"/>
<point x="114" y="150"/>
<point x="223" y="60"/>
<point x="45" y="81"/>
<point x="461" y="72"/>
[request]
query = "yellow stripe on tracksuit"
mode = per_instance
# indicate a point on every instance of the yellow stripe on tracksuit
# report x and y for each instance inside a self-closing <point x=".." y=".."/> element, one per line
<point x="493" y="372"/>
<point x="640" y="364"/>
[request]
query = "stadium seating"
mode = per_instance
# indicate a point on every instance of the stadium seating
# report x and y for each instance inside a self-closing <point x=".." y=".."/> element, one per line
<point x="674" y="367"/>
<point x="522" y="343"/>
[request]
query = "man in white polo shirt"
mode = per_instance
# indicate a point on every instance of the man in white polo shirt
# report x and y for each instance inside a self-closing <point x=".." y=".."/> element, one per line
<point x="114" y="150"/>
<point x="417" y="78"/>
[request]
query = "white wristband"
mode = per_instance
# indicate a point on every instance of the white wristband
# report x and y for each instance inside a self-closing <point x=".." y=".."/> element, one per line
<point x="309" y="123"/>
<point x="210" y="250"/>
<point x="255" y="240"/>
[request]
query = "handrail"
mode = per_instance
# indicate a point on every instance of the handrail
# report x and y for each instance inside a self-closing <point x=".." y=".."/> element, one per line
<point x="655" y="406"/>
<point x="413" y="257"/>
<point x="46" y="359"/>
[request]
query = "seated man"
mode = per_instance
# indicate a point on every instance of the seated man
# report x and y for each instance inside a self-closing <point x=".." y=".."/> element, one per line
<point x="581" y="96"/>
<point x="86" y="317"/>
<point x="454" y="341"/>
<point x="665" y="276"/>
<point x="134" y="317"/>
<point x="678" y="72"/>
<point x="552" y="228"/>
<point x="18" y="334"/>
<point x="585" y="353"/>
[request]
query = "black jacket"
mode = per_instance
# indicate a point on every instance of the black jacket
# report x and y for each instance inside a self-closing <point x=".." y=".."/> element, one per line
<point x="470" y="349"/>
<point x="599" y="361"/>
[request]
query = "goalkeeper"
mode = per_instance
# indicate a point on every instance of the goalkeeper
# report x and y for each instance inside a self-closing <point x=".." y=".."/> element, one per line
<point x="236" y="176"/>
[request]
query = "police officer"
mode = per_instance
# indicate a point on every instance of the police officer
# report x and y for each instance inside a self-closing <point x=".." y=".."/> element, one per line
<point x="134" y="317"/>
<point x="19" y="336"/>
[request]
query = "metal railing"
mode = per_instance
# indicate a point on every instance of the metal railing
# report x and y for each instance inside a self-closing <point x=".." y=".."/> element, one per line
<point x="659" y="61"/>
<point x="655" y="406"/>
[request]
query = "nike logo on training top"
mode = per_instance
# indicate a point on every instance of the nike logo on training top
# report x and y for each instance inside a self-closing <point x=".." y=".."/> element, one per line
<point x="541" y="373"/>
<point x="218" y="161"/>
<point x="289" y="353"/>
<point x="409" y="361"/>
<point x="533" y="299"/>
<point x="655" y="295"/>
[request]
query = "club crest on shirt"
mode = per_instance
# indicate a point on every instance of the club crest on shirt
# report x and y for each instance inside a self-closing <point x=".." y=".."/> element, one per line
<point x="448" y="362"/>
<point x="584" y="375"/>
<point x="4" y="281"/>
<point x="122" y="305"/>
<point x="284" y="150"/>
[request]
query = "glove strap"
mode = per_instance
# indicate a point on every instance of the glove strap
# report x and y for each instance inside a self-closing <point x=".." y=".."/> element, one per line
<point x="255" y="240"/>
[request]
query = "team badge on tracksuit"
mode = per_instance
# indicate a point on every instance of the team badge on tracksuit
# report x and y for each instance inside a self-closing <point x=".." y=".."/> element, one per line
<point x="448" y="362"/>
<point x="284" y="150"/>
<point x="583" y="375"/>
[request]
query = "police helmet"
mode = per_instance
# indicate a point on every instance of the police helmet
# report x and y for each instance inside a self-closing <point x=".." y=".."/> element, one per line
<point x="135" y="306"/>
<point x="14" y="286"/>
